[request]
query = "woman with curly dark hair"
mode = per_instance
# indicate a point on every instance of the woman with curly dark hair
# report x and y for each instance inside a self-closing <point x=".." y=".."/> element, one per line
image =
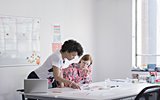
<point x="52" y="67"/>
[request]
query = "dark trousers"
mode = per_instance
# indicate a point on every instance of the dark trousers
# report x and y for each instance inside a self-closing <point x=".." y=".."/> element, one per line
<point x="32" y="75"/>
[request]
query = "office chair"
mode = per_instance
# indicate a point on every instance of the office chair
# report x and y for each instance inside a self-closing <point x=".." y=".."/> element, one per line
<point x="149" y="93"/>
<point x="23" y="97"/>
<point x="21" y="90"/>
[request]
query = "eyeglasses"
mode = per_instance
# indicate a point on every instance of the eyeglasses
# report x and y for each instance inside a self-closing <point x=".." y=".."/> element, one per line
<point x="86" y="63"/>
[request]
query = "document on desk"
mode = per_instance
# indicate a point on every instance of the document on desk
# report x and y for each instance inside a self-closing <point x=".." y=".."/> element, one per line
<point x="118" y="80"/>
<point x="62" y="90"/>
<point x="93" y="92"/>
<point x="87" y="94"/>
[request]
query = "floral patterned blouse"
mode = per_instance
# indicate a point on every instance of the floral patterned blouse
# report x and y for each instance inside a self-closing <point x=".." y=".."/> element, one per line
<point x="74" y="73"/>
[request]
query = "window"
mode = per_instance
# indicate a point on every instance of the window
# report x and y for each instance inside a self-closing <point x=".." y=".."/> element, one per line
<point x="146" y="40"/>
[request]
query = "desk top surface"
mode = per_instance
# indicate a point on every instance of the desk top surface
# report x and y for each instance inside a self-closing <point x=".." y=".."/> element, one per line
<point x="95" y="91"/>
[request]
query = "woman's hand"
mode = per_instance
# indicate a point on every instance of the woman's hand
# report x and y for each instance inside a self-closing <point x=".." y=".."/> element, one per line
<point x="74" y="85"/>
<point x="85" y="71"/>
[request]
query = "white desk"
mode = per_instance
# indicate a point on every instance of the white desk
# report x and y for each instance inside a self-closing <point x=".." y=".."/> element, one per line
<point x="96" y="92"/>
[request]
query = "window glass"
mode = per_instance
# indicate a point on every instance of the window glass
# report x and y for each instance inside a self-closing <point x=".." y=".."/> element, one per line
<point x="147" y="33"/>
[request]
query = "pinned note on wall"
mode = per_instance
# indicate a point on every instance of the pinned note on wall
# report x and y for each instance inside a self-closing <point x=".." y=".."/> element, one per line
<point x="56" y="44"/>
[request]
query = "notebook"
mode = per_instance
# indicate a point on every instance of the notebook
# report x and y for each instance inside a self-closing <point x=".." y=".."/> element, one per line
<point x="35" y="85"/>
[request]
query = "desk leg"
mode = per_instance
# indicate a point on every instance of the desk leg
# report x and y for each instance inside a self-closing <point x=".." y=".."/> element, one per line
<point x="23" y="98"/>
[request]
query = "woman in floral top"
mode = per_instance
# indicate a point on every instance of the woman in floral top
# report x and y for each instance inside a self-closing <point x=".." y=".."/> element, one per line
<point x="79" y="72"/>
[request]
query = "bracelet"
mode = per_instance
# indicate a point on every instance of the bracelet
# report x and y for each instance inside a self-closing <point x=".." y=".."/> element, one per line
<point x="71" y="84"/>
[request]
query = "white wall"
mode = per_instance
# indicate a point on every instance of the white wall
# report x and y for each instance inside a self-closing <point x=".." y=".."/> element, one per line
<point x="75" y="18"/>
<point x="103" y="27"/>
<point x="113" y="39"/>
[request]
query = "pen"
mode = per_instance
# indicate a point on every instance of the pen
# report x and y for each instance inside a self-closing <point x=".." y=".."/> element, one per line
<point x="114" y="86"/>
<point x="118" y="80"/>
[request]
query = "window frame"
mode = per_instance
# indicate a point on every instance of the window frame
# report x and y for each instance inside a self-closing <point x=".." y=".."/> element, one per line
<point x="134" y="38"/>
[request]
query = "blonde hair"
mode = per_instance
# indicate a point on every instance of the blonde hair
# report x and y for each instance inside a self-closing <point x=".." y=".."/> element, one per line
<point x="86" y="57"/>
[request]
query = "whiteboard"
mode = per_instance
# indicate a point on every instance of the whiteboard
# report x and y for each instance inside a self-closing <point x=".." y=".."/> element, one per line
<point x="19" y="41"/>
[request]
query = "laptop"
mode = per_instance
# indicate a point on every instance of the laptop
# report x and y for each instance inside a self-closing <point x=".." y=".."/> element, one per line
<point x="35" y="85"/>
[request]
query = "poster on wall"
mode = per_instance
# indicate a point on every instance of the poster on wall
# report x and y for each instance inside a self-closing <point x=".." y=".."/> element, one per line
<point x="56" y="44"/>
<point x="19" y="41"/>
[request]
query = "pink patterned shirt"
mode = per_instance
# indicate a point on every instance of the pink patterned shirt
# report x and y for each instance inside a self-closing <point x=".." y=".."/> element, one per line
<point x="74" y="73"/>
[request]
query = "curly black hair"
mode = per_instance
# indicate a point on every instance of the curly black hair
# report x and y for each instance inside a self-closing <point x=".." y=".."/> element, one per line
<point x="72" y="46"/>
